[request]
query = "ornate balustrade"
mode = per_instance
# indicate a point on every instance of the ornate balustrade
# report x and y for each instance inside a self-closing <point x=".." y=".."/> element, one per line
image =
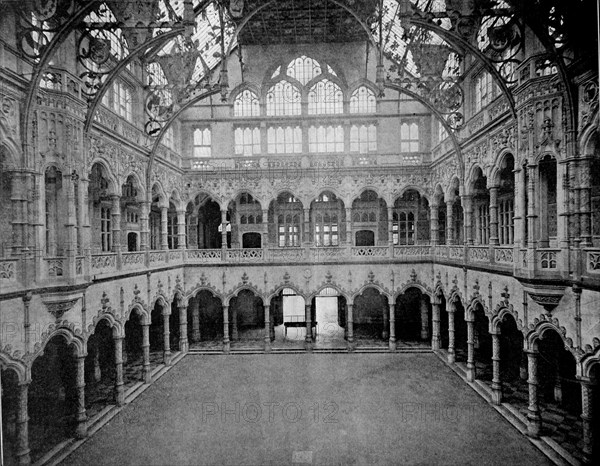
<point x="103" y="263"/>
<point x="546" y="260"/>
<point x="592" y="260"/>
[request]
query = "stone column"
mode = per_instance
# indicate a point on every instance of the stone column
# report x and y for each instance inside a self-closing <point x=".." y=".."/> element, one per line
<point x="496" y="380"/>
<point x="467" y="202"/>
<point x="308" y="320"/>
<point x="558" y="392"/>
<point x="145" y="226"/>
<point x="471" y="373"/>
<point x="386" y="323"/>
<point x="119" y="387"/>
<point x="436" y="341"/>
<point x="184" y="345"/>
<point x="164" y="241"/>
<point x="81" y="429"/>
<point x="223" y="229"/>
<point x="147" y="373"/>
<point x="494" y="216"/>
<point x="450" y="222"/>
<point x="116" y="222"/>
<point x="306" y="232"/>
<point x="265" y="229"/>
<point x="585" y="205"/>
<point x="392" y="327"/>
<point x="451" y="353"/>
<point x="166" y="339"/>
<point x="349" y="226"/>
<point x="390" y="225"/>
<point x="520" y="208"/>
<point x="531" y="213"/>
<point x="534" y="421"/>
<point x="226" y="343"/>
<point x="97" y="370"/>
<point x="350" y="321"/>
<point x="181" y="233"/>
<point x="22" y="426"/>
<point x="267" y="334"/>
<point x="234" y="326"/>
<point x="424" y="320"/>
<point x="587" y="416"/>
<point x="435" y="228"/>
<point x="196" y="322"/>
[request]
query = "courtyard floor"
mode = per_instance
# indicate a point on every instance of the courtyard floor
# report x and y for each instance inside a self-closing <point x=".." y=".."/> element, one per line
<point x="339" y="409"/>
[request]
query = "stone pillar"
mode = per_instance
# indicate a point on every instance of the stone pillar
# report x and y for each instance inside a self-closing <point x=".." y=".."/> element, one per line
<point x="390" y="225"/>
<point x="184" y="345"/>
<point x="392" y="327"/>
<point x="267" y="334"/>
<point x="223" y="229"/>
<point x="424" y="320"/>
<point x="196" y="321"/>
<point x="436" y="340"/>
<point x="450" y="222"/>
<point x="119" y="387"/>
<point x="226" y="343"/>
<point x="471" y="373"/>
<point x="234" y="327"/>
<point x="587" y="416"/>
<point x="145" y="226"/>
<point x="451" y="353"/>
<point x="467" y="202"/>
<point x="520" y="209"/>
<point x="496" y="380"/>
<point x="81" y="429"/>
<point x="116" y="222"/>
<point x="181" y="233"/>
<point x="350" y="322"/>
<point x="147" y="373"/>
<point x="523" y="367"/>
<point x="534" y="421"/>
<point x="265" y="229"/>
<point x="164" y="241"/>
<point x="349" y="226"/>
<point x="531" y="213"/>
<point x="494" y="215"/>
<point x="166" y="339"/>
<point x="97" y="370"/>
<point x="585" y="205"/>
<point x="308" y="320"/>
<point x="306" y="232"/>
<point x="435" y="228"/>
<point x="22" y="426"/>
<point x="558" y="392"/>
<point x="386" y="323"/>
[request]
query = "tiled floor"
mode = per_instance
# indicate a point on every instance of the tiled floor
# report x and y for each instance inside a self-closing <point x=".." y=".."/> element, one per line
<point x="308" y="408"/>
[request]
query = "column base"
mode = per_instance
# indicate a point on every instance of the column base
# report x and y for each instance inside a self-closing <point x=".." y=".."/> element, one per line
<point x="470" y="372"/>
<point x="451" y="358"/>
<point x="184" y="346"/>
<point x="496" y="394"/>
<point x="534" y="425"/>
<point x="268" y="345"/>
<point x="24" y="457"/>
<point x="226" y="346"/>
<point x="147" y="374"/>
<point x="81" y="429"/>
<point x="435" y="345"/>
<point x="119" y="395"/>
<point x="392" y="345"/>
<point x="167" y="358"/>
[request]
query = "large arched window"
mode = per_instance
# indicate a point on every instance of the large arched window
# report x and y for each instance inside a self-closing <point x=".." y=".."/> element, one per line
<point x="327" y="215"/>
<point x="283" y="99"/>
<point x="246" y="104"/>
<point x="325" y="97"/>
<point x="303" y="69"/>
<point x="410" y="219"/>
<point x="363" y="101"/>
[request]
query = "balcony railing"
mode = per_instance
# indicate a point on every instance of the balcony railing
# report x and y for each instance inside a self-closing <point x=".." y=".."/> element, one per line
<point x="493" y="257"/>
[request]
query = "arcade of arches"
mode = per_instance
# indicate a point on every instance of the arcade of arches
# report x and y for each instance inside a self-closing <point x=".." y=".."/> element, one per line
<point x="420" y="181"/>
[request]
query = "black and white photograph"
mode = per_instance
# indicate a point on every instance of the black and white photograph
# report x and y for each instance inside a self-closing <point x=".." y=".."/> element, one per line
<point x="299" y="232"/>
